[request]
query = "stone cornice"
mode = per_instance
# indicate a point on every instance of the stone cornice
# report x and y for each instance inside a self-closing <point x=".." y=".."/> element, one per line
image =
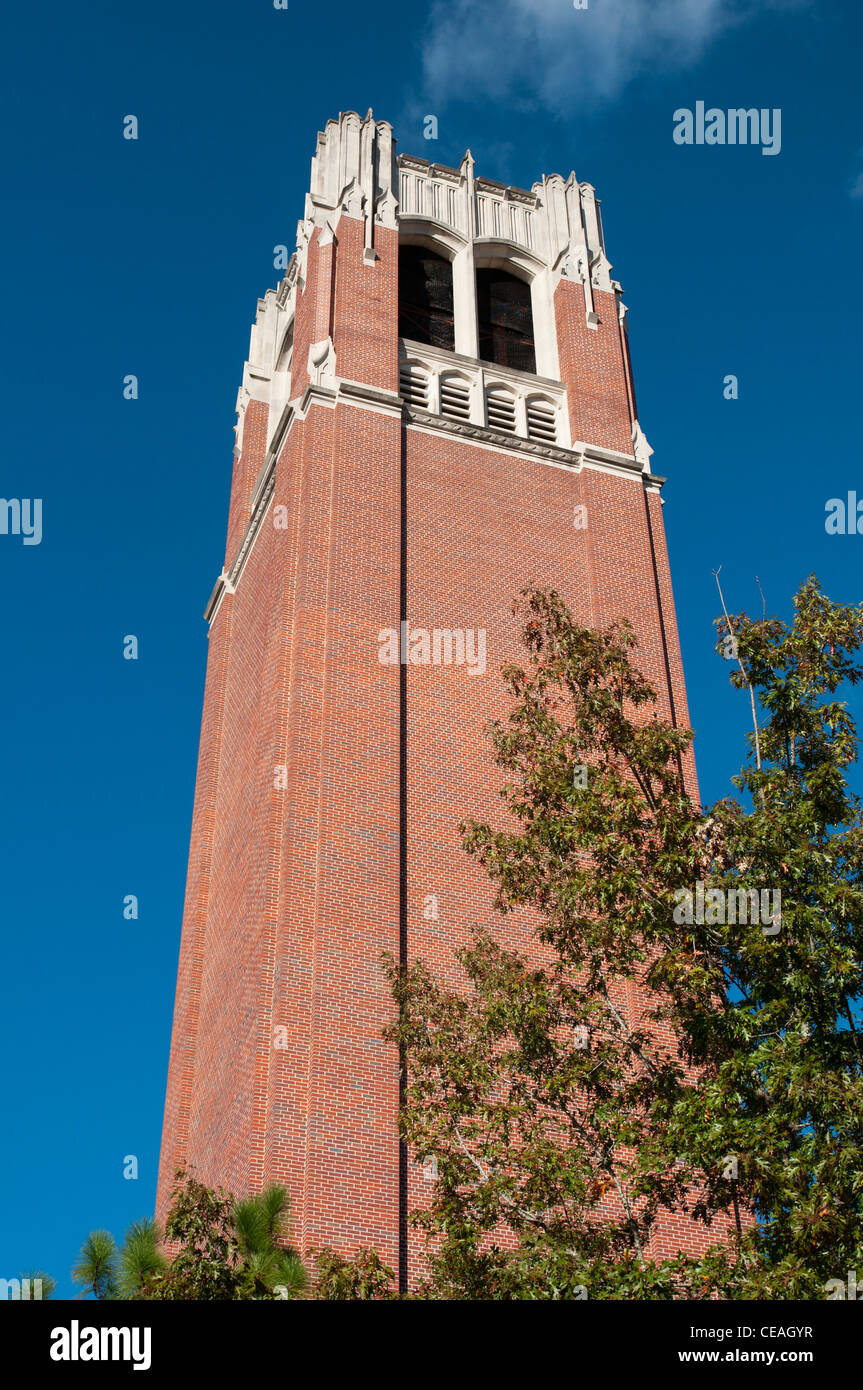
<point x="581" y="456"/>
<point x="424" y="166"/>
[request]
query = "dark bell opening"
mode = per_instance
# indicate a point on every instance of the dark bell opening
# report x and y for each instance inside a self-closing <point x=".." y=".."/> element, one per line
<point x="425" y="298"/>
<point x="505" y="320"/>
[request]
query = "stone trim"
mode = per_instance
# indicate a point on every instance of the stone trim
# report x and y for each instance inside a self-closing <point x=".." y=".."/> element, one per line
<point x="578" y="457"/>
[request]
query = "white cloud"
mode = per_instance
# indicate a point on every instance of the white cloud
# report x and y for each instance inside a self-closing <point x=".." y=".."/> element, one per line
<point x="547" y="53"/>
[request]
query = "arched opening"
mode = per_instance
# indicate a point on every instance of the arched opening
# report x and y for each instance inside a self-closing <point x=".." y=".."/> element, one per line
<point x="426" y="313"/>
<point x="505" y="320"/>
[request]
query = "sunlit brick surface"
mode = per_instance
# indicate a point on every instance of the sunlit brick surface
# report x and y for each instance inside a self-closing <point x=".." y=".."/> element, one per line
<point x="293" y="889"/>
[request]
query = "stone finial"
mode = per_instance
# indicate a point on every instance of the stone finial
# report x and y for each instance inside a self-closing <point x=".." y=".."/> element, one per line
<point x="354" y="173"/>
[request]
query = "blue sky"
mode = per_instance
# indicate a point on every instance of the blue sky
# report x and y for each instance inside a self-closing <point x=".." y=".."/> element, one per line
<point x="147" y="257"/>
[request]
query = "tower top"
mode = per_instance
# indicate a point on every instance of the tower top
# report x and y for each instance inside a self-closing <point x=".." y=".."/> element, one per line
<point x="556" y="224"/>
<point x="382" y="236"/>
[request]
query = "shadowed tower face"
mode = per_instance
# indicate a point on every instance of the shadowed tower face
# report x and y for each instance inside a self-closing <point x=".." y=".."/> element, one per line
<point x="437" y="409"/>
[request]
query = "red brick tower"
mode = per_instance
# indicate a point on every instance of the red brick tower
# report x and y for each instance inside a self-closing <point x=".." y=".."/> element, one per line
<point x="437" y="408"/>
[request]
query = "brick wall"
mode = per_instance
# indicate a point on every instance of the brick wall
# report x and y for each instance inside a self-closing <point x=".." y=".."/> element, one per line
<point x="592" y="364"/>
<point x="293" y="889"/>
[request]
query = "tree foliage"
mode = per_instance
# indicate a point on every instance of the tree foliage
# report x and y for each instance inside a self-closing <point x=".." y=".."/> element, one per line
<point x="96" y="1269"/>
<point x="642" y="1064"/>
<point x="364" y="1276"/>
<point x="223" y="1249"/>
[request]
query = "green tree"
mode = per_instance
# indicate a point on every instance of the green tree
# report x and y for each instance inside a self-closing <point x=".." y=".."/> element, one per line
<point x="364" y="1276"/>
<point x="97" y="1267"/>
<point x="208" y="1263"/>
<point x="228" y="1249"/>
<point x="260" y="1223"/>
<point x="224" y="1249"/>
<point x="140" y="1258"/>
<point x="774" y="1026"/>
<point x="558" y="1112"/>
<point x="106" y="1272"/>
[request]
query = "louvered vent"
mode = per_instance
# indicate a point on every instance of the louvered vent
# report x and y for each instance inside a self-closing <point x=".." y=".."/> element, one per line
<point x="541" y="421"/>
<point x="455" y="397"/>
<point x="501" y="409"/>
<point x="414" y="385"/>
